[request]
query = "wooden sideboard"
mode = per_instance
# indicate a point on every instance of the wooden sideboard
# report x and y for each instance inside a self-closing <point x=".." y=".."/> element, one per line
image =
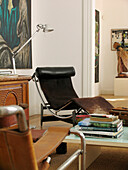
<point x="13" y="91"/>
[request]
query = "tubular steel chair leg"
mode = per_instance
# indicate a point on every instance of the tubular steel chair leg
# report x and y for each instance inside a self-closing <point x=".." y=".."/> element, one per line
<point x="79" y="152"/>
<point x="42" y="111"/>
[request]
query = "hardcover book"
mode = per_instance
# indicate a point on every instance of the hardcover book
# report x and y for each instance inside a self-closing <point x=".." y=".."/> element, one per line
<point x="120" y="109"/>
<point x="86" y="122"/>
<point x="103" y="117"/>
<point x="103" y="134"/>
<point x="115" y="123"/>
<point x="94" y="128"/>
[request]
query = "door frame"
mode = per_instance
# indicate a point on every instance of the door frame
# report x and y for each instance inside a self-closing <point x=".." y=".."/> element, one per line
<point x="88" y="48"/>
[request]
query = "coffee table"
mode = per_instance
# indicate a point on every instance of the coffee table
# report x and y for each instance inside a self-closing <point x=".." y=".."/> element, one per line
<point x="94" y="144"/>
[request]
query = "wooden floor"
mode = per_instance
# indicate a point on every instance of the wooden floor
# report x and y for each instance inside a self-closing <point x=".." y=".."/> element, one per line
<point x="110" y="158"/>
<point x="117" y="101"/>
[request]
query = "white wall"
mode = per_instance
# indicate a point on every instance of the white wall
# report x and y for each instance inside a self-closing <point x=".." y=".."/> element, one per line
<point x="71" y="43"/>
<point x="66" y="45"/>
<point x="113" y="16"/>
<point x="63" y="46"/>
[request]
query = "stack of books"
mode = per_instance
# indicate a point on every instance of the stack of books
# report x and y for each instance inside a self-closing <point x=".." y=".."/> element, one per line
<point x="101" y="125"/>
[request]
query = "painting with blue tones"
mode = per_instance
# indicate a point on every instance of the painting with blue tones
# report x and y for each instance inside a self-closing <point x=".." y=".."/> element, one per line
<point x="15" y="30"/>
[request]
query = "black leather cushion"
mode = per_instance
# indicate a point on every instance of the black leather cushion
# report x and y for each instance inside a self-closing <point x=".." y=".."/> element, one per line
<point x="54" y="72"/>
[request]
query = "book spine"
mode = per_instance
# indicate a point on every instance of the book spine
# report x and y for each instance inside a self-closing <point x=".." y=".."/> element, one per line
<point x="103" y="119"/>
<point x="102" y="132"/>
<point x="108" y="129"/>
<point x="103" y="136"/>
<point x="107" y="125"/>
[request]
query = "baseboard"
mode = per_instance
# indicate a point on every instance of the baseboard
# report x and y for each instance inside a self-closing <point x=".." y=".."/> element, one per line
<point x="107" y="92"/>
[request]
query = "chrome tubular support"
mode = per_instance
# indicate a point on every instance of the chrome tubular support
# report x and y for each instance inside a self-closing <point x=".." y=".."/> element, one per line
<point x="79" y="152"/>
<point x="69" y="160"/>
<point x="19" y="112"/>
<point x="83" y="147"/>
<point x="42" y="27"/>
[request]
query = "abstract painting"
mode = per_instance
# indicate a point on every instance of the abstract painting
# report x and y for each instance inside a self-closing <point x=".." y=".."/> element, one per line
<point x="120" y="36"/>
<point x="15" y="30"/>
<point x="97" y="45"/>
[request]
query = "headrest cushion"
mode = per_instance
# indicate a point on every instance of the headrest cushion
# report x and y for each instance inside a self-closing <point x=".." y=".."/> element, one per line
<point x="54" y="72"/>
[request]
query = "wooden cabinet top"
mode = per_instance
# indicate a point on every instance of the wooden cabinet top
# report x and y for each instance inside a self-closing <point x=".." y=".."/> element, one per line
<point x="15" y="78"/>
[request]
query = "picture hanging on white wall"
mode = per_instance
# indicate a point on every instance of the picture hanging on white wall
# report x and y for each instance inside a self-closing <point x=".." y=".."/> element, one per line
<point x="15" y="30"/>
<point x="120" y="36"/>
<point x="97" y="45"/>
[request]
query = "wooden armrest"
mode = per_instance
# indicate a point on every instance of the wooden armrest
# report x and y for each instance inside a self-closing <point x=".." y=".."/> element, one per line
<point x="49" y="142"/>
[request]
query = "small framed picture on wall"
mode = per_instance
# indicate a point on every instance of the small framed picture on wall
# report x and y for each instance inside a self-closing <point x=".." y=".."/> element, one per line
<point x="97" y="44"/>
<point x="120" y="36"/>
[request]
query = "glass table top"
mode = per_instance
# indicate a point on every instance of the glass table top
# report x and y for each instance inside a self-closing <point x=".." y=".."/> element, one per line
<point x="122" y="141"/>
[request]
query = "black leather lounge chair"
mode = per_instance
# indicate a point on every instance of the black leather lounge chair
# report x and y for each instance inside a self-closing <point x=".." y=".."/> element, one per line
<point x="57" y="87"/>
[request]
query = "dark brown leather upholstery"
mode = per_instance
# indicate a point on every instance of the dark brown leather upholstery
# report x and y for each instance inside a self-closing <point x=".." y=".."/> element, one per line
<point x="55" y="72"/>
<point x="59" y="92"/>
<point x="58" y="89"/>
<point x="57" y="86"/>
<point x="94" y="104"/>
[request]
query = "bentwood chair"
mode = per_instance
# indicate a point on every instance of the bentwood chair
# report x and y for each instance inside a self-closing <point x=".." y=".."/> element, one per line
<point x="59" y="95"/>
<point x="17" y="151"/>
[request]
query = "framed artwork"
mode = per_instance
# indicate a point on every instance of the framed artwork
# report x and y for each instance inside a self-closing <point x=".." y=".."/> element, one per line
<point x="120" y="36"/>
<point x="97" y="44"/>
<point x="15" y="30"/>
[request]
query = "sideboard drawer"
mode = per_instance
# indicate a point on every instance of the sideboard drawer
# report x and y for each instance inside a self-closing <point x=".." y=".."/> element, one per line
<point x="13" y="92"/>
